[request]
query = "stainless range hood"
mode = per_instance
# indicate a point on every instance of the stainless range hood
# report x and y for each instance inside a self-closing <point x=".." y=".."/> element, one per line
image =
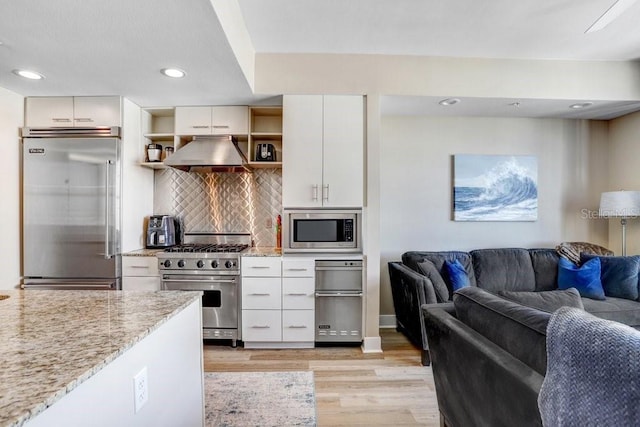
<point x="210" y="154"/>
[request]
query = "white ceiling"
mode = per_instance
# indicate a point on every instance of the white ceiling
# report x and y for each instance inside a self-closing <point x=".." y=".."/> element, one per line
<point x="98" y="47"/>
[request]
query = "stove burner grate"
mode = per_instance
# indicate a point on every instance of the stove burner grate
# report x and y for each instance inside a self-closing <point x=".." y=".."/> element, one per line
<point x="208" y="248"/>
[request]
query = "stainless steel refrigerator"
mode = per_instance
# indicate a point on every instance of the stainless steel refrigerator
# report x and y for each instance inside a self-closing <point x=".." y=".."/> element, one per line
<point x="71" y="214"/>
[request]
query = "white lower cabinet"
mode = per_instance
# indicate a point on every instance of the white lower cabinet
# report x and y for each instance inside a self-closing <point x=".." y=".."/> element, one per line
<point x="278" y="302"/>
<point x="140" y="273"/>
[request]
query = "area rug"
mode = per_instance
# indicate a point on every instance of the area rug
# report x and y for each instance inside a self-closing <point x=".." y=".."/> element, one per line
<point x="259" y="399"/>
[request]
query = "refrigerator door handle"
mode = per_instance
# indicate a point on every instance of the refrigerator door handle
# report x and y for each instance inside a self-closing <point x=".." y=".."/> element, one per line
<point x="107" y="207"/>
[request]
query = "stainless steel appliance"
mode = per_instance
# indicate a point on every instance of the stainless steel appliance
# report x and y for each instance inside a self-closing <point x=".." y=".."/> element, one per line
<point x="338" y="301"/>
<point x="163" y="231"/>
<point x="210" y="263"/>
<point x="322" y="230"/>
<point x="220" y="153"/>
<point x="71" y="208"/>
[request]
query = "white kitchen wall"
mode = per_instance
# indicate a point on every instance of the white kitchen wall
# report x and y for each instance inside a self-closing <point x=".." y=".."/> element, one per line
<point x="416" y="177"/>
<point x="11" y="119"/>
<point x="624" y="163"/>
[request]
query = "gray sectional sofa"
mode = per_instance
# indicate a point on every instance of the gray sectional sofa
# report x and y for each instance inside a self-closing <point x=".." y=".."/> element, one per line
<point x="415" y="282"/>
<point x="545" y="361"/>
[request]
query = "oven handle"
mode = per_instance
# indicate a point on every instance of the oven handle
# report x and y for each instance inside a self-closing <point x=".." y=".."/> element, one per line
<point x="199" y="280"/>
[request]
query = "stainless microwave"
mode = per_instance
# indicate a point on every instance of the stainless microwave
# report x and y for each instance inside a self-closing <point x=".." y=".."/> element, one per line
<point x="322" y="230"/>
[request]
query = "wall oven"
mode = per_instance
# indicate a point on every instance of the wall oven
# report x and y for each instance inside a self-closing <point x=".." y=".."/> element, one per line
<point x="322" y="230"/>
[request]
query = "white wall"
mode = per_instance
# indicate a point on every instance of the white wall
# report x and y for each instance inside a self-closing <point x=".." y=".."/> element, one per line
<point x="624" y="159"/>
<point x="416" y="183"/>
<point x="11" y="119"/>
<point x="137" y="182"/>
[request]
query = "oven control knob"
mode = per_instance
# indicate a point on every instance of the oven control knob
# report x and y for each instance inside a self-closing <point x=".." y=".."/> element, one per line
<point x="181" y="263"/>
<point x="214" y="264"/>
<point x="200" y="264"/>
<point x="228" y="264"/>
<point x="167" y="263"/>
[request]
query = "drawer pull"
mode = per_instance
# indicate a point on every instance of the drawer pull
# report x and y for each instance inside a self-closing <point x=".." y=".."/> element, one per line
<point x="297" y="269"/>
<point x="260" y="294"/>
<point x="260" y="266"/>
<point x="221" y="126"/>
<point x="261" y="327"/>
<point x="60" y="120"/>
<point x="139" y="266"/>
<point x="297" y="327"/>
<point x="298" y="294"/>
<point x="201" y="127"/>
<point x="84" y="119"/>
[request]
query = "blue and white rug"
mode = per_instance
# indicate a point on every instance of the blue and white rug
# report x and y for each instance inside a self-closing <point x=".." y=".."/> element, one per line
<point x="259" y="399"/>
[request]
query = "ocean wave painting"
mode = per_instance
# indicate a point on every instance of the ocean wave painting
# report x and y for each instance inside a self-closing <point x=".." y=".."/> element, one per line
<point x="495" y="188"/>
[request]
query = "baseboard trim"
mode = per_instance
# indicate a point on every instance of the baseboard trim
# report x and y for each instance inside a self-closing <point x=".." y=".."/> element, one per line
<point x="372" y="345"/>
<point x="387" y="321"/>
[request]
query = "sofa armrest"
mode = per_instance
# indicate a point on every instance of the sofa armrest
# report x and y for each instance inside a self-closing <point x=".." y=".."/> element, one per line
<point x="410" y="290"/>
<point x="477" y="382"/>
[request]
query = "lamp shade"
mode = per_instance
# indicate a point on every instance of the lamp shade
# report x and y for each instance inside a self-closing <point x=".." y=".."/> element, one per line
<point x="619" y="204"/>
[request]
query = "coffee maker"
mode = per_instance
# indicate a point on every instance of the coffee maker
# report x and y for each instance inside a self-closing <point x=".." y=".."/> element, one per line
<point x="163" y="231"/>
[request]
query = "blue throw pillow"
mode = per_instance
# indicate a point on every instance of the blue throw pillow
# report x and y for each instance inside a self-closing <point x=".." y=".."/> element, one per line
<point x="619" y="275"/>
<point x="458" y="277"/>
<point x="586" y="278"/>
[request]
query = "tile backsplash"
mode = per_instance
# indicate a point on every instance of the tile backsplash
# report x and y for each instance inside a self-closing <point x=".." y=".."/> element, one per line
<point x="222" y="202"/>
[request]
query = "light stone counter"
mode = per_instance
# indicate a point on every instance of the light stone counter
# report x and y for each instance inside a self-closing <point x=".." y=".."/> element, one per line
<point x="52" y="341"/>
<point x="143" y="252"/>
<point x="262" y="251"/>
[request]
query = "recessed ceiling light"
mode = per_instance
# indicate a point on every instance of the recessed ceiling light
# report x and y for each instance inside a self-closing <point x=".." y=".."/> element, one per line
<point x="27" y="74"/>
<point x="176" y="73"/>
<point x="449" y="101"/>
<point x="581" y="105"/>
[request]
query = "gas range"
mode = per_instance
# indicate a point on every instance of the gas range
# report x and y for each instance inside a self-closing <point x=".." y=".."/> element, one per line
<point x="212" y="252"/>
<point x="209" y="263"/>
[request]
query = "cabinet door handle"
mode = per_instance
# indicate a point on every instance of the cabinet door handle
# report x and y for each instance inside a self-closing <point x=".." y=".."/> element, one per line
<point x="201" y="126"/>
<point x="298" y="294"/>
<point x="221" y="126"/>
<point x="139" y="266"/>
<point x="296" y="269"/>
<point x="60" y="120"/>
<point x="260" y="267"/>
<point x="258" y="294"/>
<point x="83" y="119"/>
<point x="314" y="193"/>
<point x="325" y="192"/>
<point x="297" y="327"/>
<point x="261" y="326"/>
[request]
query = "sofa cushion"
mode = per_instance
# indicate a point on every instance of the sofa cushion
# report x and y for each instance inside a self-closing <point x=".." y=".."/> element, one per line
<point x="457" y="275"/>
<point x="411" y="259"/>
<point x="508" y="269"/>
<point x="548" y="301"/>
<point x="518" y="329"/>
<point x="586" y="278"/>
<point x="428" y="268"/>
<point x="619" y="275"/>
<point x="545" y="268"/>
<point x="618" y="309"/>
<point x="572" y="250"/>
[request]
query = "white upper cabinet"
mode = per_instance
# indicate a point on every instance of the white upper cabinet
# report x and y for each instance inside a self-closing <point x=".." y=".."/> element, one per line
<point x="70" y="111"/>
<point x="212" y="120"/>
<point x="323" y="151"/>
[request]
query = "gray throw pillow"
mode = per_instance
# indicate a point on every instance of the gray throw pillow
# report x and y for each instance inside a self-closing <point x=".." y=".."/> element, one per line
<point x="428" y="269"/>
<point x="548" y="301"/>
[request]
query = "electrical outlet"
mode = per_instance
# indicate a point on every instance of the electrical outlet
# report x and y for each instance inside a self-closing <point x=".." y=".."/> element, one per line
<point x="269" y="224"/>
<point x="140" y="389"/>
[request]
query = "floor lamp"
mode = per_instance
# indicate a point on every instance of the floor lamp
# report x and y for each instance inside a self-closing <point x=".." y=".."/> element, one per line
<point x="623" y="205"/>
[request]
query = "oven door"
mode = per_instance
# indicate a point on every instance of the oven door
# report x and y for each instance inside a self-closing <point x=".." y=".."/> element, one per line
<point x="219" y="299"/>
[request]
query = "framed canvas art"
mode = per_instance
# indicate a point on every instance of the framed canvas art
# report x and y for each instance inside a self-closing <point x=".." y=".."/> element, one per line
<point x="495" y="188"/>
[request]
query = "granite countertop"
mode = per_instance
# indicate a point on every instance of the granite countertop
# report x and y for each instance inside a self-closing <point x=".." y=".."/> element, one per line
<point x="262" y="251"/>
<point x="143" y="252"/>
<point x="52" y="341"/>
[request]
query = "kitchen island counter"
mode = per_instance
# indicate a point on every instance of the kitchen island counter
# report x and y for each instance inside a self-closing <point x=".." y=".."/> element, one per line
<point x="54" y="341"/>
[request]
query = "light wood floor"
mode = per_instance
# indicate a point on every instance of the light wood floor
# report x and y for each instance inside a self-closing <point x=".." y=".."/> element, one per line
<point x="352" y="388"/>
